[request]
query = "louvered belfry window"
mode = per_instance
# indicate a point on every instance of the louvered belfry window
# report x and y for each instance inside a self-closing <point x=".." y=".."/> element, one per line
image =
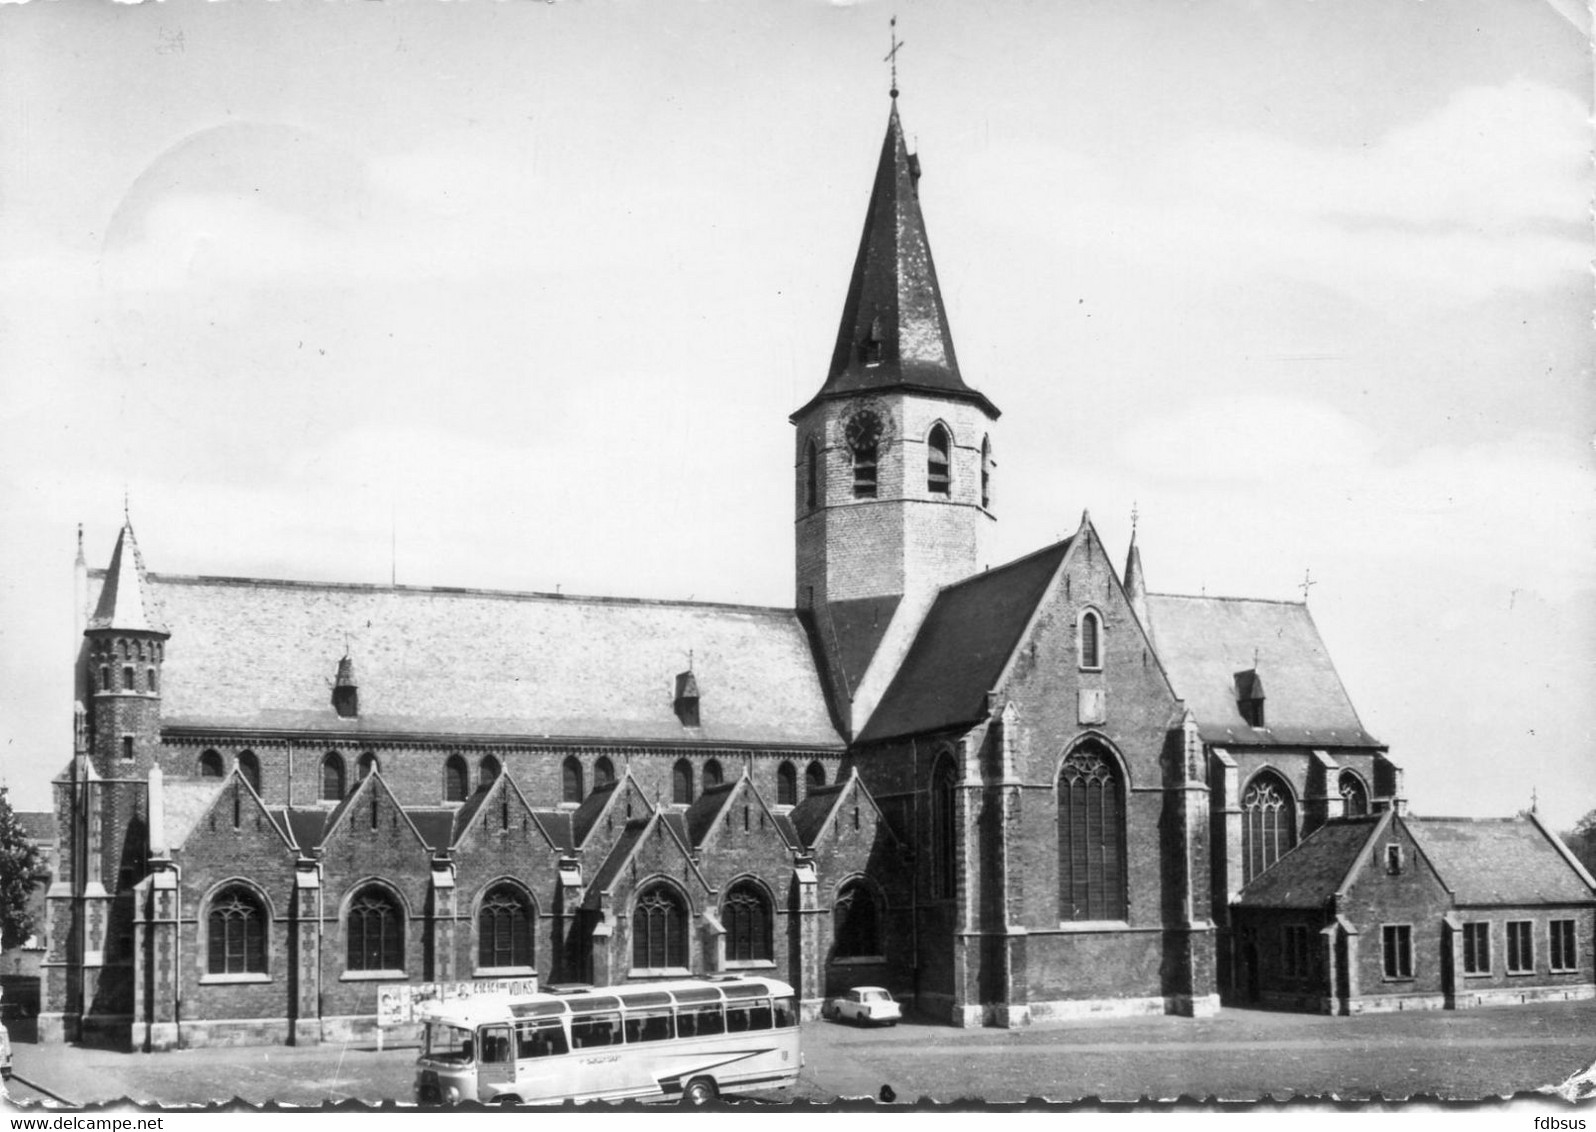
<point x="236" y="930"/>
<point x="1269" y="824"/>
<point x="1091" y="838"/>
<point x="659" y="930"/>
<point x="938" y="448"/>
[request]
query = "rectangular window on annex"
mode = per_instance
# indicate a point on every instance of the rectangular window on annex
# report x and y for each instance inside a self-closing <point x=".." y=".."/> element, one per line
<point x="1520" y="947"/>
<point x="1563" y="956"/>
<point x="1396" y="944"/>
<point x="1477" y="949"/>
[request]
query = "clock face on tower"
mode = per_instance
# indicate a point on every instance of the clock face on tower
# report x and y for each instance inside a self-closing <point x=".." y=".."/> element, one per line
<point x="864" y="430"/>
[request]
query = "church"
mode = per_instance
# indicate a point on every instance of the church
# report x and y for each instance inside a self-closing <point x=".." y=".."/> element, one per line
<point x="1030" y="792"/>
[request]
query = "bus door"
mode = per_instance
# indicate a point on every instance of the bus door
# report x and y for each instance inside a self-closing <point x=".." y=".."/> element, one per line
<point x="495" y="1061"/>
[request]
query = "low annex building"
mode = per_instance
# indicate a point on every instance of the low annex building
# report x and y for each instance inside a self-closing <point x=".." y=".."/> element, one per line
<point x="1031" y="791"/>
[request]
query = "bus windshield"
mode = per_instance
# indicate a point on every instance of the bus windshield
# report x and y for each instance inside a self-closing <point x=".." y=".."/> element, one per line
<point x="444" y="1042"/>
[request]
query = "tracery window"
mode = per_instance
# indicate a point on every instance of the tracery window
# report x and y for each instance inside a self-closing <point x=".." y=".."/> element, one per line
<point x="1354" y="798"/>
<point x="856" y="923"/>
<point x="235" y="933"/>
<point x="1091" y="837"/>
<point x="1268" y="824"/>
<point x="376" y="932"/>
<point x="659" y="929"/>
<point x="747" y="915"/>
<point x="504" y="929"/>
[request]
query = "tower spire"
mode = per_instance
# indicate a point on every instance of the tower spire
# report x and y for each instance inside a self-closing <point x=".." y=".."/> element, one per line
<point x="1136" y="580"/>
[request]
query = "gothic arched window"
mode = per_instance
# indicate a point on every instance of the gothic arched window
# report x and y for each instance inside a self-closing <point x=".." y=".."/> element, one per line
<point x="938" y="453"/>
<point x="487" y="772"/>
<point x="1354" y="797"/>
<point x="332" y="777"/>
<point x="814" y="777"/>
<point x="1268" y="823"/>
<point x="1091" y="639"/>
<point x="249" y="766"/>
<point x="659" y="929"/>
<point x="571" y="780"/>
<point x="786" y="785"/>
<point x="504" y="928"/>
<point x="456" y="778"/>
<point x="746" y="915"/>
<point x="367" y="764"/>
<point x="856" y="923"/>
<point x="376" y="932"/>
<point x="713" y="774"/>
<point x="235" y="930"/>
<point x="682" y="783"/>
<point x="603" y="773"/>
<point x="943" y="851"/>
<point x="1091" y="838"/>
<point x="210" y="765"/>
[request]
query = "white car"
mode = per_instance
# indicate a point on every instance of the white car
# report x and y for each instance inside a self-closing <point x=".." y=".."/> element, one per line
<point x="866" y="1006"/>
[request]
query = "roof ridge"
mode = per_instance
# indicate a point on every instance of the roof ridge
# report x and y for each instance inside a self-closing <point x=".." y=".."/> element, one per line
<point x="1062" y="543"/>
<point x="453" y="591"/>
<point x="1230" y="597"/>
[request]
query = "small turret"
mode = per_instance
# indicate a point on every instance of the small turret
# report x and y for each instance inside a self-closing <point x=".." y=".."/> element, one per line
<point x="1136" y="583"/>
<point x="126" y="648"/>
<point x="346" y="691"/>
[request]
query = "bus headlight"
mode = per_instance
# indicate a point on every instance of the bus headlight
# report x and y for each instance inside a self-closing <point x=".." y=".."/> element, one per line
<point x="452" y="1095"/>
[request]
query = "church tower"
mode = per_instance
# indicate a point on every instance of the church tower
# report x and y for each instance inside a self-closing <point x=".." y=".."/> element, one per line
<point x="894" y="453"/>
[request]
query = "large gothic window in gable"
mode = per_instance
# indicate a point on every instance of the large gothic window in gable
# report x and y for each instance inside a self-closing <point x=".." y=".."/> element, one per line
<point x="786" y="785"/>
<point x="504" y="929"/>
<point x="456" y="779"/>
<point x="659" y="929"/>
<point x="1091" y="837"/>
<point x="1268" y="823"/>
<point x="1354" y="796"/>
<point x="235" y="929"/>
<point x="746" y="916"/>
<point x="571" y="780"/>
<point x="856" y="922"/>
<point x="376" y="932"/>
<point x="332" y="777"/>
<point x="938" y="461"/>
<point x="944" y="851"/>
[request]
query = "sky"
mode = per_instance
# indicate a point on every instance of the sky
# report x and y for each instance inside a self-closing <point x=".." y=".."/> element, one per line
<point x="520" y="295"/>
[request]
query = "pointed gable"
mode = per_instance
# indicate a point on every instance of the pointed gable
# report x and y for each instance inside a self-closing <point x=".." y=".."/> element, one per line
<point x="1318" y="868"/>
<point x="894" y="330"/>
<point x="656" y="832"/>
<point x="373" y="791"/>
<point x="126" y="601"/>
<point x="962" y="647"/>
<point x="232" y="805"/>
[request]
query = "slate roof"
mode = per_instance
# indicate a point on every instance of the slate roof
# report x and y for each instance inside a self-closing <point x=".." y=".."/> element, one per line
<point x="592" y="807"/>
<point x="474" y="662"/>
<point x="557" y="828"/>
<point x="619" y="854"/>
<point x="854" y="629"/>
<point x="893" y="295"/>
<point x="964" y="643"/>
<point x="1499" y="861"/>
<point x="125" y="601"/>
<point x="305" y="826"/>
<point x="1311" y="873"/>
<point x="1204" y="641"/>
<point x="435" y="825"/>
<point x="809" y="816"/>
<point x="706" y="808"/>
<point x="184" y="802"/>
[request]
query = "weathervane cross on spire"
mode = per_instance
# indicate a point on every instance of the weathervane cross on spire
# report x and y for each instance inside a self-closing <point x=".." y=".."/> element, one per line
<point x="892" y="56"/>
<point x="1307" y="582"/>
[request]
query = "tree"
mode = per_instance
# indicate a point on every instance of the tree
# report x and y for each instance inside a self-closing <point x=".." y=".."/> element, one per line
<point x="20" y="869"/>
<point x="1582" y="840"/>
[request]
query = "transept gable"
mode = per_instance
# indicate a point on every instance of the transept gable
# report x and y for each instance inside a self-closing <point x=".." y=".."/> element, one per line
<point x="234" y="807"/>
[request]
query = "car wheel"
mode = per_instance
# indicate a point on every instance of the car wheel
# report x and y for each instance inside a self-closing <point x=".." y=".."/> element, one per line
<point x="508" y="1100"/>
<point x="700" y="1091"/>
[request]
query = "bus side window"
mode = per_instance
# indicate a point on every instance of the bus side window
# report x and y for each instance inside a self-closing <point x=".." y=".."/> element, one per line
<point x="759" y="1015"/>
<point x="737" y="1018"/>
<point x="495" y="1045"/>
<point x="651" y="1027"/>
<point x="540" y="1039"/>
<point x="786" y="1013"/>
<point x="699" y="1021"/>
<point x="595" y="1030"/>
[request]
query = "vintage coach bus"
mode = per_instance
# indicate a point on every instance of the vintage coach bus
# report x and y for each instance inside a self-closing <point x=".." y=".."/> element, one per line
<point x="690" y="1038"/>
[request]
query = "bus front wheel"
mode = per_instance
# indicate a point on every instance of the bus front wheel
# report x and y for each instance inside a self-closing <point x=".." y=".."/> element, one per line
<point x="700" y="1091"/>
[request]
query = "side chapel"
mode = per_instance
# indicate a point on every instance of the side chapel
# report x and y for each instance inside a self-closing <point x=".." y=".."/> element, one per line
<point x="1032" y="791"/>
